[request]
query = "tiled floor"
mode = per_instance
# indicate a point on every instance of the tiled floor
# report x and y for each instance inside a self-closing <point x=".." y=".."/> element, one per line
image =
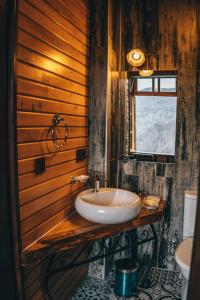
<point x="164" y="285"/>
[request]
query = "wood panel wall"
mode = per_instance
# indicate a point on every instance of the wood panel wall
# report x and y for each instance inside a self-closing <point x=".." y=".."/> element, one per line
<point x="161" y="28"/>
<point x="104" y="86"/>
<point x="167" y="29"/>
<point x="98" y="82"/>
<point x="52" y="77"/>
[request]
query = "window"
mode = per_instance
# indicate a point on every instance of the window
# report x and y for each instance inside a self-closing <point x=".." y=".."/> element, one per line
<point x="153" y="115"/>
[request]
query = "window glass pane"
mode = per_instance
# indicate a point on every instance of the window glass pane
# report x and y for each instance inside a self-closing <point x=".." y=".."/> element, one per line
<point x="156" y="84"/>
<point x="168" y="85"/>
<point x="155" y="124"/>
<point x="144" y="85"/>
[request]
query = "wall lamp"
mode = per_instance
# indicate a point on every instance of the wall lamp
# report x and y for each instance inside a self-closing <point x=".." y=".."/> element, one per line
<point x="136" y="57"/>
<point x="144" y="63"/>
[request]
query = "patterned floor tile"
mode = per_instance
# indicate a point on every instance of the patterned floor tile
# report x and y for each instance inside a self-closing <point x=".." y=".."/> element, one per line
<point x="164" y="285"/>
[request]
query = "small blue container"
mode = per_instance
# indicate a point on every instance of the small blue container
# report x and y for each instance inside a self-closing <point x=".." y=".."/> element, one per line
<point x="125" y="277"/>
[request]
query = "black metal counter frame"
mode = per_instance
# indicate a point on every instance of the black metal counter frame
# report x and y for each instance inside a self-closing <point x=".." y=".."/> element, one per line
<point x="107" y="246"/>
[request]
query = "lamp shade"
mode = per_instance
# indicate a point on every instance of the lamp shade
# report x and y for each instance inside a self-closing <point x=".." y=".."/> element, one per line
<point x="151" y="64"/>
<point x="136" y="57"/>
<point x="145" y="73"/>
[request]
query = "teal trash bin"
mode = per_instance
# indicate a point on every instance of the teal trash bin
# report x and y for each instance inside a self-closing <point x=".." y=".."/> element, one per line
<point x="125" y="277"/>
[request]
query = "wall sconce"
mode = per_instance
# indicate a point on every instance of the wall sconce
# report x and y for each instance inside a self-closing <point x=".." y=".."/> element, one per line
<point x="148" y="67"/>
<point x="146" y="73"/>
<point x="146" y="64"/>
<point x="136" y="57"/>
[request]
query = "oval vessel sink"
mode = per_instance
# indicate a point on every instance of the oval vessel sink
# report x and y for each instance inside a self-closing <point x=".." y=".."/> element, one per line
<point x="108" y="206"/>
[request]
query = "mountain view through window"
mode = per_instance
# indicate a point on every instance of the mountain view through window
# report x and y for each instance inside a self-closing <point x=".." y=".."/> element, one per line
<point x="154" y="116"/>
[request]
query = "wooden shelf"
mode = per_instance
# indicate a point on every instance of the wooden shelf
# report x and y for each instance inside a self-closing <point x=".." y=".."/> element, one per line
<point x="76" y="230"/>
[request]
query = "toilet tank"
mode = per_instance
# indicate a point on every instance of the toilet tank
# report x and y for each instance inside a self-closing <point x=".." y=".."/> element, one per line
<point x="190" y="205"/>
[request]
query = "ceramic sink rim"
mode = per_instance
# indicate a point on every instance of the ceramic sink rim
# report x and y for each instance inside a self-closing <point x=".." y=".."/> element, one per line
<point x="92" y="193"/>
<point x="110" y="210"/>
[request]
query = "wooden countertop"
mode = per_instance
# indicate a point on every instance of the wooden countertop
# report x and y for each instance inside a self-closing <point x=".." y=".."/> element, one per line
<point x="76" y="230"/>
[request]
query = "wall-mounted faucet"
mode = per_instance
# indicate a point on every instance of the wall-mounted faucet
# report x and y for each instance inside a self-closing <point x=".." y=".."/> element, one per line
<point x="94" y="182"/>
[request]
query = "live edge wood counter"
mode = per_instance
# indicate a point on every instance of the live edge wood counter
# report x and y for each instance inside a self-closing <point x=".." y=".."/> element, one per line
<point x="76" y="230"/>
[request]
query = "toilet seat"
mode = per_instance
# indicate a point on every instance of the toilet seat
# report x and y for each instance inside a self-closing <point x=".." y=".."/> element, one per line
<point x="183" y="256"/>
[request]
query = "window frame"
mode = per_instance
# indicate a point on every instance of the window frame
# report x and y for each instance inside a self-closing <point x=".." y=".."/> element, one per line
<point x="141" y="156"/>
<point x="154" y="93"/>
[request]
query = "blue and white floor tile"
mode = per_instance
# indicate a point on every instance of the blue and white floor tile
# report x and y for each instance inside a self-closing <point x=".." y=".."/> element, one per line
<point x="165" y="285"/>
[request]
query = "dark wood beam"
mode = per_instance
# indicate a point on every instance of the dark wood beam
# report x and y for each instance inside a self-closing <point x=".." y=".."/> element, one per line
<point x="10" y="283"/>
<point x="194" y="286"/>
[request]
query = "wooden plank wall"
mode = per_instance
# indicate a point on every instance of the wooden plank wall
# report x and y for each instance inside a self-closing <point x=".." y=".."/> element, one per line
<point x="114" y="113"/>
<point x="162" y="29"/>
<point x="52" y="77"/>
<point x="104" y="86"/>
<point x="98" y="82"/>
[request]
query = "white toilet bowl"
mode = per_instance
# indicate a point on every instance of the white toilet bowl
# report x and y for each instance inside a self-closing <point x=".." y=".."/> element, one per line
<point x="183" y="258"/>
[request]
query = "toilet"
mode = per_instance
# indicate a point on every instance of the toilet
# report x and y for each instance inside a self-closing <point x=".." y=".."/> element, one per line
<point x="183" y="253"/>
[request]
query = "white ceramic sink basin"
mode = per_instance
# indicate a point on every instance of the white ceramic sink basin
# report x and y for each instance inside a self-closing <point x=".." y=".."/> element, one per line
<point x="108" y="206"/>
